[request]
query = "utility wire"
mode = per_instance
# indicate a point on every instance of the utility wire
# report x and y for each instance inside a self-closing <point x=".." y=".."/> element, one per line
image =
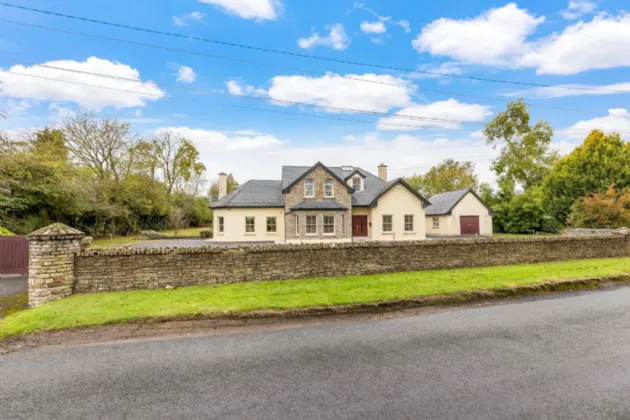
<point x="309" y="56"/>
<point x="293" y="68"/>
<point x="214" y="92"/>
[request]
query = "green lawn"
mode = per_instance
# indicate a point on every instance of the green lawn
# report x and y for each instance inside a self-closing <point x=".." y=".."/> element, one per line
<point x="119" y="307"/>
<point x="114" y="241"/>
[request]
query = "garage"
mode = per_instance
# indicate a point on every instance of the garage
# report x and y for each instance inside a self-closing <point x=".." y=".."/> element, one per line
<point x="469" y="225"/>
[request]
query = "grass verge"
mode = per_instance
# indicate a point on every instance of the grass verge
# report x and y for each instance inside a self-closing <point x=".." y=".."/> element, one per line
<point x="234" y="299"/>
<point x="13" y="303"/>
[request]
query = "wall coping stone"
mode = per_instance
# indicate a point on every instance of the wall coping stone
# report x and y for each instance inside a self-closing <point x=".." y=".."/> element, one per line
<point x="54" y="232"/>
<point x="205" y="249"/>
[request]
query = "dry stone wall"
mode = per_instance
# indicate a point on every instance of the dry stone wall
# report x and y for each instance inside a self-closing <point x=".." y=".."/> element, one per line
<point x="128" y="269"/>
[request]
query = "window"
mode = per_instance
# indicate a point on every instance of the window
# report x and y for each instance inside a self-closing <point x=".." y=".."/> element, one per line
<point x="297" y="225"/>
<point x="311" y="225"/>
<point x="271" y="224"/>
<point x="328" y="188"/>
<point x="221" y="224"/>
<point x="387" y="223"/>
<point x="250" y="224"/>
<point x="308" y="188"/>
<point x="436" y="222"/>
<point x="329" y="224"/>
<point x="356" y="183"/>
<point x="408" y="222"/>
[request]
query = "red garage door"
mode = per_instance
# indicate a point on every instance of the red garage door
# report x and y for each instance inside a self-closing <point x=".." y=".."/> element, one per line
<point x="469" y="225"/>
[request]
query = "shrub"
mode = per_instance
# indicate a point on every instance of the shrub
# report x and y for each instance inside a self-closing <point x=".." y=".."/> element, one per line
<point x="610" y="209"/>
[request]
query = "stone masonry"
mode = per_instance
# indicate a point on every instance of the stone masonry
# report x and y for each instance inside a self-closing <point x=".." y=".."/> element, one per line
<point x="51" y="262"/>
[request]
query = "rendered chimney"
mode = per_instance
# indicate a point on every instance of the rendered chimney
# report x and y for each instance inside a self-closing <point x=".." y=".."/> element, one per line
<point x="222" y="185"/>
<point x="382" y="172"/>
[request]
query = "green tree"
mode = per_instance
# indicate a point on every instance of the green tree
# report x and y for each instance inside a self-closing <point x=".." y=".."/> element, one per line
<point x="449" y="175"/>
<point x="602" y="160"/>
<point x="610" y="209"/>
<point x="524" y="159"/>
<point x="178" y="158"/>
<point x="232" y="184"/>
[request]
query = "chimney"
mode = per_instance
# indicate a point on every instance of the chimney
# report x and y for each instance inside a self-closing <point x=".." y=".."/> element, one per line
<point x="222" y="185"/>
<point x="382" y="172"/>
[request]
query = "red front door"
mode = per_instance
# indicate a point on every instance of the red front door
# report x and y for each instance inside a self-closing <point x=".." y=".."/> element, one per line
<point x="359" y="226"/>
<point x="469" y="225"/>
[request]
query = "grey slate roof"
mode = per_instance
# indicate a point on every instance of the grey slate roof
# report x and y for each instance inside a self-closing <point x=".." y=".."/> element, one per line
<point x="255" y="193"/>
<point x="318" y="205"/>
<point x="372" y="184"/>
<point x="444" y="203"/>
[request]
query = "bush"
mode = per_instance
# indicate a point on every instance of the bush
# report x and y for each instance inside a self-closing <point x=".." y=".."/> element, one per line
<point x="5" y="232"/>
<point x="610" y="209"/>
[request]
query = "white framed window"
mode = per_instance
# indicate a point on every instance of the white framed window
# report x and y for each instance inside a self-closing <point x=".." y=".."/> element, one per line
<point x="309" y="190"/>
<point x="436" y="222"/>
<point x="328" y="188"/>
<point x="329" y="225"/>
<point x="311" y="225"/>
<point x="250" y="224"/>
<point x="356" y="183"/>
<point x="297" y="225"/>
<point x="388" y="223"/>
<point x="408" y="222"/>
<point x="271" y="225"/>
<point x="221" y="225"/>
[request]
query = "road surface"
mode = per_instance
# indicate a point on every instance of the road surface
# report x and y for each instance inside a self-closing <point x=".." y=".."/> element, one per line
<point x="558" y="358"/>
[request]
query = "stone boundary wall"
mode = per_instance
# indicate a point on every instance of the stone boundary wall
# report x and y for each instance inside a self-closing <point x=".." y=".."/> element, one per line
<point x="102" y="270"/>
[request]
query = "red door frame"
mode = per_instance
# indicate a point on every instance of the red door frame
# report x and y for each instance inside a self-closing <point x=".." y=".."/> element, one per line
<point x="469" y="225"/>
<point x="359" y="226"/>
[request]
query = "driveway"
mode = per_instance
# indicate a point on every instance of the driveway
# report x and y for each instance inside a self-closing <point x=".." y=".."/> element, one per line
<point x="11" y="285"/>
<point x="556" y="358"/>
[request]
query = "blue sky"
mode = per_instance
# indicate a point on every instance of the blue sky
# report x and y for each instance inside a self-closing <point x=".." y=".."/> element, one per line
<point x="578" y="43"/>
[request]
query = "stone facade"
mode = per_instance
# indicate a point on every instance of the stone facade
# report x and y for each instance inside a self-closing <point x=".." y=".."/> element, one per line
<point x="129" y="269"/>
<point x="343" y="219"/>
<point x="51" y="263"/>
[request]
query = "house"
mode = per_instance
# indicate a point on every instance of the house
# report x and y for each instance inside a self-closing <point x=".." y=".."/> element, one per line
<point x="320" y="204"/>
<point x="456" y="213"/>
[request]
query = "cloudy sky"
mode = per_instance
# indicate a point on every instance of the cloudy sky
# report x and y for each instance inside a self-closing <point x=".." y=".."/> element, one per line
<point x="425" y="76"/>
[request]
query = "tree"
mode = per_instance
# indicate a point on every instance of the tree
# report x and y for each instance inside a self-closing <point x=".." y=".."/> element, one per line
<point x="232" y="184"/>
<point x="525" y="158"/>
<point x="104" y="146"/>
<point x="602" y="160"/>
<point x="177" y="219"/>
<point x="177" y="158"/>
<point x="449" y="175"/>
<point x="610" y="209"/>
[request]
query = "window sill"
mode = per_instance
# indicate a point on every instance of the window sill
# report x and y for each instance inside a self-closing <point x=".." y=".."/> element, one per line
<point x="250" y="233"/>
<point x="435" y="227"/>
<point x="309" y="196"/>
<point x="271" y="233"/>
<point x="388" y="233"/>
<point x="409" y="233"/>
<point x="329" y="234"/>
<point x="310" y="234"/>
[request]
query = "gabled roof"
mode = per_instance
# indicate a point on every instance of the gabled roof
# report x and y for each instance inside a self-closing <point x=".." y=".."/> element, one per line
<point x="318" y="205"/>
<point x="255" y="193"/>
<point x="356" y="171"/>
<point x="291" y="180"/>
<point x="389" y="185"/>
<point x="443" y="204"/>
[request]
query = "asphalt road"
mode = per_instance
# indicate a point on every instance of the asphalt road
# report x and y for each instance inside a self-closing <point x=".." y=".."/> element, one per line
<point x="557" y="358"/>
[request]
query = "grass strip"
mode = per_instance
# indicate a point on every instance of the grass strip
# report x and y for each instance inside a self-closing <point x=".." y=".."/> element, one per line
<point x="121" y="307"/>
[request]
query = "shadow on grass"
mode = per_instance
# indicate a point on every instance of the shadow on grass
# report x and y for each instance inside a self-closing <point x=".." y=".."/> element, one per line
<point x="13" y="303"/>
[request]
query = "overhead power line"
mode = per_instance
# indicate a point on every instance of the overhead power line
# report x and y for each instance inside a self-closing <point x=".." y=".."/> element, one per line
<point x="258" y="98"/>
<point x="301" y="55"/>
<point x="284" y="67"/>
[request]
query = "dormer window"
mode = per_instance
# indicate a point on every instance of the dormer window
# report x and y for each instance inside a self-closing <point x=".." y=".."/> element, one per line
<point x="309" y="190"/>
<point x="356" y="183"/>
<point x="328" y="188"/>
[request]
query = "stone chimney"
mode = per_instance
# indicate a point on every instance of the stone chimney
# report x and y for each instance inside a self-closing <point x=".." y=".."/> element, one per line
<point x="222" y="185"/>
<point x="382" y="172"/>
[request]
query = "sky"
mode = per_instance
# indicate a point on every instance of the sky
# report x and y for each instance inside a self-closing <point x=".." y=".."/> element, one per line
<point x="425" y="76"/>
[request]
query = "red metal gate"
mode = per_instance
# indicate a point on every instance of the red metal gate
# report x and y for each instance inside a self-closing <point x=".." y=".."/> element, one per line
<point x="13" y="255"/>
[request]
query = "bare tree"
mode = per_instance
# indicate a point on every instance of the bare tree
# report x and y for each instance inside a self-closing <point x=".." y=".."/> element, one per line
<point x="177" y="219"/>
<point x="177" y="158"/>
<point x="105" y="146"/>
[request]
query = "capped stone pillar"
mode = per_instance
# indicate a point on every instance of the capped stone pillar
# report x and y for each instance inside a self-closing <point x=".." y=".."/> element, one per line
<point x="51" y="262"/>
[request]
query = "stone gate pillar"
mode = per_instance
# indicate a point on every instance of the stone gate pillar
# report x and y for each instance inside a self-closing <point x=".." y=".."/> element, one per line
<point x="51" y="262"/>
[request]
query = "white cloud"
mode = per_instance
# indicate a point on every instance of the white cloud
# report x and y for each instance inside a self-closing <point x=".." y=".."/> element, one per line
<point x="334" y="90"/>
<point x="249" y="9"/>
<point x="599" y="44"/>
<point x="373" y="27"/>
<point x="492" y="38"/>
<point x="138" y="113"/>
<point x="434" y="71"/>
<point x="450" y="109"/>
<point x="561" y="91"/>
<point x="336" y="39"/>
<point x="186" y="19"/>
<point x="210" y="141"/>
<point x="578" y="8"/>
<point x="186" y="74"/>
<point x="235" y="88"/>
<point x="95" y="98"/>
<point x="617" y="120"/>
<point x="403" y="24"/>
<point x="477" y="134"/>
